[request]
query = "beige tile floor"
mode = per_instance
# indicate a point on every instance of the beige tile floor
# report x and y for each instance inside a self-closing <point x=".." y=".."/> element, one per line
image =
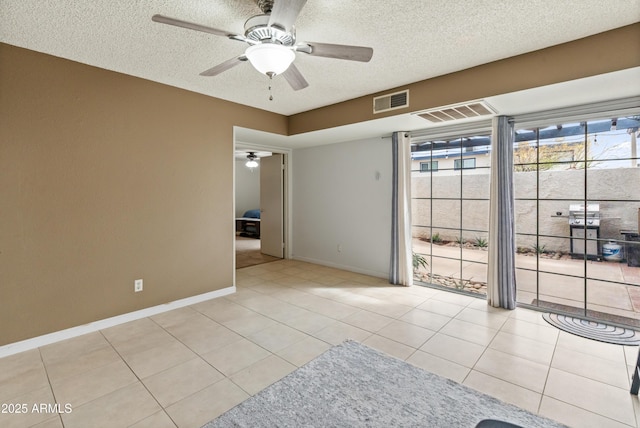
<point x="185" y="367"/>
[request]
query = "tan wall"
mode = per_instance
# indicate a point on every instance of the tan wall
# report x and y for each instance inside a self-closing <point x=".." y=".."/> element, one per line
<point x="613" y="50"/>
<point x="105" y="178"/>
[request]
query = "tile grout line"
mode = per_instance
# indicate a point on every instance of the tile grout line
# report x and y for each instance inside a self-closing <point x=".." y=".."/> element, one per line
<point x="44" y="366"/>
<point x="486" y="348"/>
<point x="630" y="378"/>
<point x="556" y="346"/>
<point x="139" y="380"/>
<point x="256" y="288"/>
<point x="340" y="320"/>
<point x="245" y="338"/>
<point x="225" y="377"/>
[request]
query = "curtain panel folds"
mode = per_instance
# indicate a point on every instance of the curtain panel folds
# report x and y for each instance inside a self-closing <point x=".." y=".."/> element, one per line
<point x="401" y="269"/>
<point x="501" y="275"/>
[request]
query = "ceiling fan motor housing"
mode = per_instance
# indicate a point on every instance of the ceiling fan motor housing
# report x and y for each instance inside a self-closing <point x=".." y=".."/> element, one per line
<point x="257" y="29"/>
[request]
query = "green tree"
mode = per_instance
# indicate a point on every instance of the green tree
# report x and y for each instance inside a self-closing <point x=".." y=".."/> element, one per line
<point x="528" y="157"/>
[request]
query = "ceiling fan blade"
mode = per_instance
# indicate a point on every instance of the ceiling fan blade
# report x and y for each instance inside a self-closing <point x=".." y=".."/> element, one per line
<point x="230" y="63"/>
<point x="193" y="26"/>
<point x="295" y="78"/>
<point x="351" y="53"/>
<point x="285" y="12"/>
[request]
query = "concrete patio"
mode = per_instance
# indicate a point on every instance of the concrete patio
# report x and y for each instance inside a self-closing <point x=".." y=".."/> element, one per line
<point x="561" y="281"/>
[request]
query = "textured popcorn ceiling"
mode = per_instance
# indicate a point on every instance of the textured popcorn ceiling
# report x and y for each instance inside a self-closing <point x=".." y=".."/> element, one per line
<point x="412" y="40"/>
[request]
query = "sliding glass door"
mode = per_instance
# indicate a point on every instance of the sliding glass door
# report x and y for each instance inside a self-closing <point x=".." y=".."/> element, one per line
<point x="577" y="210"/>
<point x="577" y="187"/>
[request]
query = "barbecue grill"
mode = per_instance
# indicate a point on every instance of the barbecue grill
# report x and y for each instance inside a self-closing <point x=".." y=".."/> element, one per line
<point x="584" y="225"/>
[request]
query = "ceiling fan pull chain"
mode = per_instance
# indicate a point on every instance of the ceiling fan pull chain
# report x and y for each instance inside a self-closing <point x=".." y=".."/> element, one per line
<point x="270" y="80"/>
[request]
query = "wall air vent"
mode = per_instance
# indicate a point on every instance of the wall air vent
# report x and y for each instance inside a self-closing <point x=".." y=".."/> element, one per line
<point x="391" y="101"/>
<point x="460" y="111"/>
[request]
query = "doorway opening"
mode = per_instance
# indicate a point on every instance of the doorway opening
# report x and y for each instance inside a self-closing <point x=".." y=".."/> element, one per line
<point x="259" y="206"/>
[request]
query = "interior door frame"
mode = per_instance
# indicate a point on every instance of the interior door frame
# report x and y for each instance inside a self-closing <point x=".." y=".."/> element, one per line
<point x="288" y="185"/>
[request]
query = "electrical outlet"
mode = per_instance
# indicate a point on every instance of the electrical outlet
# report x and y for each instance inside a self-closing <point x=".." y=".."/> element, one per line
<point x="339" y="248"/>
<point x="137" y="285"/>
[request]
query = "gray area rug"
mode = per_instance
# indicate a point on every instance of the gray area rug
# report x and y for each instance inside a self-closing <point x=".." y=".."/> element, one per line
<point x="352" y="385"/>
<point x="593" y="330"/>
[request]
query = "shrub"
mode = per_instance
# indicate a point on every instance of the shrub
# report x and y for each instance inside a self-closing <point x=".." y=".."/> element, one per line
<point x="418" y="262"/>
<point x="481" y="243"/>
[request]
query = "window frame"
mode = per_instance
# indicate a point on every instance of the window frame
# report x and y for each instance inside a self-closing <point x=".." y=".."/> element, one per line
<point x="429" y="166"/>
<point x="459" y="164"/>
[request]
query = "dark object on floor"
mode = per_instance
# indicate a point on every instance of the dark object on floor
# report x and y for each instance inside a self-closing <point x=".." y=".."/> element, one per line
<point x="493" y="423"/>
<point x="579" y="312"/>
<point x="635" y="381"/>
<point x="632" y="248"/>
<point x="594" y="330"/>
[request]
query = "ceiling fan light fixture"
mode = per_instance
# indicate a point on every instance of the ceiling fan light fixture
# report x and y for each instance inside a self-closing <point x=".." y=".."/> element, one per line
<point x="270" y="58"/>
<point x="251" y="162"/>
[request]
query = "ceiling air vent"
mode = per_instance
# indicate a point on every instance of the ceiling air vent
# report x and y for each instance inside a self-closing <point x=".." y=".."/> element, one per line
<point x="391" y="101"/>
<point x="460" y="111"/>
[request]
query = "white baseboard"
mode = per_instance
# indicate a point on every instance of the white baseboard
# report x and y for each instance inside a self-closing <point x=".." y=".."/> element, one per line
<point x="343" y="267"/>
<point x="47" y="339"/>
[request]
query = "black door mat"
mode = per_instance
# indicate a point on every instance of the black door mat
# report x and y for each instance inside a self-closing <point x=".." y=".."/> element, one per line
<point x="579" y="312"/>
<point x="594" y="330"/>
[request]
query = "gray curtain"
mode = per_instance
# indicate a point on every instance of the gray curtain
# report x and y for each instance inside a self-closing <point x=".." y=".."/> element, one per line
<point x="401" y="270"/>
<point x="501" y="287"/>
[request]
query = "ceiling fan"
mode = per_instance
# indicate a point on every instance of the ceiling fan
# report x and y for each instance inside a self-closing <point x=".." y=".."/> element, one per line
<point x="272" y="42"/>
